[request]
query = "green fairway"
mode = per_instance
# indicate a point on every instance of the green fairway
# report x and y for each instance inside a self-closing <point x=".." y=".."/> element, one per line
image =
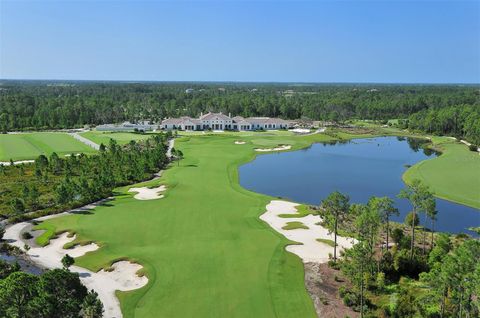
<point x="205" y="251"/>
<point x="31" y="145"/>
<point x="454" y="176"/>
<point x="122" y="138"/>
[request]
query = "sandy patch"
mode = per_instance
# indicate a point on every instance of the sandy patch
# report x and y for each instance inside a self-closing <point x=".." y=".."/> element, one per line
<point x="310" y="250"/>
<point x="279" y="148"/>
<point x="146" y="193"/>
<point x="300" y="130"/>
<point x="239" y="142"/>
<point x="7" y="163"/>
<point x="105" y="283"/>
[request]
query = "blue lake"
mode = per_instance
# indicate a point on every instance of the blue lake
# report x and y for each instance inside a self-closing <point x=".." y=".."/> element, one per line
<point x="361" y="168"/>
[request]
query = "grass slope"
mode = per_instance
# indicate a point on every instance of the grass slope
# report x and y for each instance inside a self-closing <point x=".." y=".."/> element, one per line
<point x="454" y="176"/>
<point x="31" y="145"/>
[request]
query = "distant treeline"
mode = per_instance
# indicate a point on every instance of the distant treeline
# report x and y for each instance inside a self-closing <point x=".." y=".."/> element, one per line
<point x="40" y="105"/>
<point x="461" y="121"/>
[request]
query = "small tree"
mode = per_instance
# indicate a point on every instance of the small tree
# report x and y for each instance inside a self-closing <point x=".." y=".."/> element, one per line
<point x="336" y="207"/>
<point x="33" y="196"/>
<point x="411" y="219"/>
<point x="385" y="209"/>
<point x="92" y="307"/>
<point x="18" y="206"/>
<point x="179" y="156"/>
<point x="67" y="261"/>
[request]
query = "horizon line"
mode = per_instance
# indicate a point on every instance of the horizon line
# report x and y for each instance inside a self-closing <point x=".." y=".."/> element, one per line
<point x="237" y="82"/>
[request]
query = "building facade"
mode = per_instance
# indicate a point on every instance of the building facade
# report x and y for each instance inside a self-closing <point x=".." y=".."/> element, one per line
<point x="219" y="121"/>
<point x="127" y="126"/>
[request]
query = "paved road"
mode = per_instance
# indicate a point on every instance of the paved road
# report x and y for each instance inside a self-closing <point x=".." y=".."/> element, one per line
<point x="86" y="141"/>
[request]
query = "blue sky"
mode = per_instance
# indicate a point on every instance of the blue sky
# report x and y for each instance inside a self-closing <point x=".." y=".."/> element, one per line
<point x="283" y="41"/>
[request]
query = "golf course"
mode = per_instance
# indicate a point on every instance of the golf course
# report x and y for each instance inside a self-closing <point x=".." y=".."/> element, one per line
<point x="31" y="145"/>
<point x="202" y="246"/>
<point x="454" y="176"/>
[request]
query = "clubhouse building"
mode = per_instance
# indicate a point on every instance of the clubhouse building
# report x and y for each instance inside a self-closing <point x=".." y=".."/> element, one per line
<point x="219" y="121"/>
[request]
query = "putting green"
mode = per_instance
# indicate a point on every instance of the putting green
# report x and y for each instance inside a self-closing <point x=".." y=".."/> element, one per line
<point x="31" y="145"/>
<point x="454" y="176"/>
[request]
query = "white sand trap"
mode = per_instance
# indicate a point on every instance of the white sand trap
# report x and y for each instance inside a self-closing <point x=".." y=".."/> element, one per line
<point x="146" y="193"/>
<point x="300" y="130"/>
<point x="7" y="163"/>
<point x="311" y="250"/>
<point x="123" y="277"/>
<point x="239" y="142"/>
<point x="279" y="148"/>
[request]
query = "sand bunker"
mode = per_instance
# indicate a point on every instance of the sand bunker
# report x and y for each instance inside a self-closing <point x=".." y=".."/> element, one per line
<point x="311" y="250"/>
<point x="122" y="276"/>
<point x="279" y="148"/>
<point x="146" y="193"/>
<point x="300" y="130"/>
<point x="7" y="163"/>
<point x="239" y="142"/>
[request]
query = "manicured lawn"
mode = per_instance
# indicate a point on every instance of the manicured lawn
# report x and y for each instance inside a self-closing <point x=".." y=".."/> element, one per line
<point x="31" y="145"/>
<point x="205" y="251"/>
<point x="122" y="138"/>
<point x="454" y="176"/>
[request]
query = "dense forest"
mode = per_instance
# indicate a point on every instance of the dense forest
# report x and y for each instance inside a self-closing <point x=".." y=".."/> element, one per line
<point x="432" y="274"/>
<point x="446" y="109"/>
<point x="56" y="184"/>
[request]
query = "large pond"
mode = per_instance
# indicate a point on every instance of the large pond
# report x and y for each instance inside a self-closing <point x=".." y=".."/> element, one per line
<point x="360" y="168"/>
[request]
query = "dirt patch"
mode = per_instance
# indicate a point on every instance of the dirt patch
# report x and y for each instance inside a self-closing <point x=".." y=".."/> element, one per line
<point x="323" y="289"/>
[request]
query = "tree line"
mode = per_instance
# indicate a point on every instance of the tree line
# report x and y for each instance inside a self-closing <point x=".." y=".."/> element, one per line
<point x="428" y="275"/>
<point x="56" y="184"/>
<point x="461" y="121"/>
<point x="48" y="105"/>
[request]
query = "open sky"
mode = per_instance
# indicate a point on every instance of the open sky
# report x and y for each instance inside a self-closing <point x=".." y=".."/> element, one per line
<point x="281" y="41"/>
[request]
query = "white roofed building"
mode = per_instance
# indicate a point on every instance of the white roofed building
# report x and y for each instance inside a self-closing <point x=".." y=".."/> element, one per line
<point x="219" y="121"/>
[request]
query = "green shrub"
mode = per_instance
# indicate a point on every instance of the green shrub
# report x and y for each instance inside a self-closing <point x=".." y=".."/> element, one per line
<point x="26" y="235"/>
